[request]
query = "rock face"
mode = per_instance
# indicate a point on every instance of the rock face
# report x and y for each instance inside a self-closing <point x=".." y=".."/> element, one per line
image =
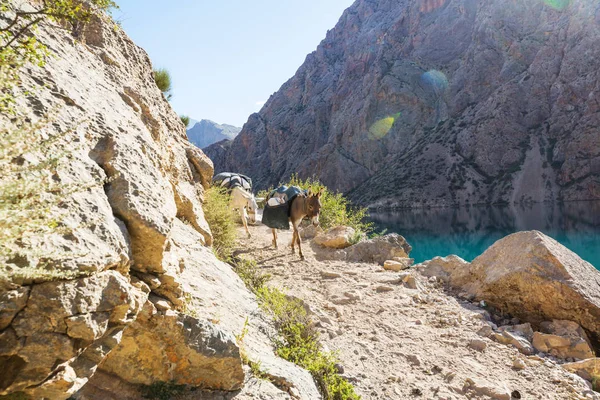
<point x="114" y="294"/>
<point x="206" y="132"/>
<point x="412" y="103"/>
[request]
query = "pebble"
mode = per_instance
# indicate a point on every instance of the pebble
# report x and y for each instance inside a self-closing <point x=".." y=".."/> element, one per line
<point x="477" y="344"/>
<point x="383" y="289"/>
<point x="330" y="274"/>
<point x="518" y="364"/>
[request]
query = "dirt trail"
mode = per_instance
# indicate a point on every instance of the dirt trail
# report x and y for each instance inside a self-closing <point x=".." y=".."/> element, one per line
<point x="395" y="342"/>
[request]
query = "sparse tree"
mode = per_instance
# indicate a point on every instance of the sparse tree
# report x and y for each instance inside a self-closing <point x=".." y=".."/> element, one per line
<point x="185" y="119"/>
<point x="163" y="81"/>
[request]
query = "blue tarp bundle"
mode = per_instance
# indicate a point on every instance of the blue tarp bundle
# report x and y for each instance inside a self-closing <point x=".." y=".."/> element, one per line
<point x="278" y="216"/>
<point x="230" y="180"/>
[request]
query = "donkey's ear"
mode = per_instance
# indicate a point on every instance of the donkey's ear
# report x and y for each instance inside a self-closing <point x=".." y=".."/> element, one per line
<point x="320" y="192"/>
<point x="309" y="192"/>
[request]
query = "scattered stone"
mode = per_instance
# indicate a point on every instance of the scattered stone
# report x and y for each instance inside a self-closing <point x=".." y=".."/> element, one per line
<point x="483" y="388"/>
<point x="513" y="338"/>
<point x="477" y="344"/>
<point x="330" y="274"/>
<point x="413" y="359"/>
<point x="383" y="289"/>
<point x="485" y="331"/>
<point x="518" y="364"/>
<point x="410" y="282"/>
<point x="398" y="264"/>
<point x="571" y="345"/>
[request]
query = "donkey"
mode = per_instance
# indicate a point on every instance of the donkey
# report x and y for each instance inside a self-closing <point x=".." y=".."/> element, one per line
<point x="245" y="203"/>
<point x="303" y="205"/>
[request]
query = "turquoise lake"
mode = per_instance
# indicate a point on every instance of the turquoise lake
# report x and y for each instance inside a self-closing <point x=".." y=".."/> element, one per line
<point x="469" y="231"/>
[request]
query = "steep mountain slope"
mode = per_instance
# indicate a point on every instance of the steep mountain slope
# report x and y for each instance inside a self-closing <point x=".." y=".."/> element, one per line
<point x="439" y="102"/>
<point x="126" y="292"/>
<point x="206" y="132"/>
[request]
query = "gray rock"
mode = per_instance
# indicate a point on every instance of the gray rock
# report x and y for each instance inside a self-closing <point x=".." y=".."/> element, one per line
<point x="206" y="132"/>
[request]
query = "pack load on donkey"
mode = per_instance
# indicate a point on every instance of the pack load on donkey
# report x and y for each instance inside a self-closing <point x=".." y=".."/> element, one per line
<point x="230" y="180"/>
<point x="277" y="208"/>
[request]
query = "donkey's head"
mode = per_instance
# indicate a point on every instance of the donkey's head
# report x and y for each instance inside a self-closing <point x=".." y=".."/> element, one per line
<point x="252" y="209"/>
<point x="313" y="206"/>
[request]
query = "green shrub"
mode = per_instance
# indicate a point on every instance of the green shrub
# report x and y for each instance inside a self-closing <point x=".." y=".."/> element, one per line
<point x="221" y="220"/>
<point x="185" y="119"/>
<point x="297" y="340"/>
<point x="163" y="80"/>
<point x="335" y="208"/>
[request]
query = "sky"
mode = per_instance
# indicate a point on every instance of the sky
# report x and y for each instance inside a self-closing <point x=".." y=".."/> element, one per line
<point x="226" y="57"/>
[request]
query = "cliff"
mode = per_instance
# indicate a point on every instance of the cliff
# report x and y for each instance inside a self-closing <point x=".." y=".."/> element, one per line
<point x="126" y="293"/>
<point x="439" y="102"/>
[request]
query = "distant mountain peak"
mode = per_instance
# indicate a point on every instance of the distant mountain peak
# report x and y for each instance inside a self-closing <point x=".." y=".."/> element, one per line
<point x="205" y="132"/>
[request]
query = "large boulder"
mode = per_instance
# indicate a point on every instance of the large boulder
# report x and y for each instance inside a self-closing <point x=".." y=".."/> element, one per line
<point x="338" y="237"/>
<point x="535" y="278"/>
<point x="379" y="249"/>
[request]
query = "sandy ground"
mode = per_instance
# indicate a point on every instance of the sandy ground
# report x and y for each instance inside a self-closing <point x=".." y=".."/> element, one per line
<point x="395" y="342"/>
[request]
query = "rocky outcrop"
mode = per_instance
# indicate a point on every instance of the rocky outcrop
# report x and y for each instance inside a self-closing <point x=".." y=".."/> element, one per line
<point x="536" y="279"/>
<point x="120" y="288"/>
<point x="532" y="277"/>
<point x="55" y="343"/>
<point x="206" y="132"/>
<point x="413" y="103"/>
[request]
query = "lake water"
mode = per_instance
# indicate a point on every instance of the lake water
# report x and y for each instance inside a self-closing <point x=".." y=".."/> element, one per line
<point x="469" y="231"/>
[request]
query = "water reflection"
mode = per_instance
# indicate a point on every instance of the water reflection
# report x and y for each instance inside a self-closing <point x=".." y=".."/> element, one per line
<point x="468" y="231"/>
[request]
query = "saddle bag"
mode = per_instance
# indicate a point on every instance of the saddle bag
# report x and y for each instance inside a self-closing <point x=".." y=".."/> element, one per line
<point x="276" y="213"/>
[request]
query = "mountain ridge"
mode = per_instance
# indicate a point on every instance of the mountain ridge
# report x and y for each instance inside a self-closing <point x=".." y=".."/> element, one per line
<point x="442" y="103"/>
<point x="206" y="132"/>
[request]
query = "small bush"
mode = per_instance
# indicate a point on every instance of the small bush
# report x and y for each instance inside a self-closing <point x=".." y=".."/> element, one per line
<point x="185" y="119"/>
<point x="163" y="80"/>
<point x="335" y="208"/>
<point x="221" y="221"/>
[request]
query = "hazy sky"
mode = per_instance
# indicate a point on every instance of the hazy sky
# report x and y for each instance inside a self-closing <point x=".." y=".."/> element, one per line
<point x="226" y="57"/>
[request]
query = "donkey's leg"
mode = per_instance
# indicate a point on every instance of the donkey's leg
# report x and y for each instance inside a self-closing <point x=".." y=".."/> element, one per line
<point x="293" y="240"/>
<point x="274" y="237"/>
<point x="245" y="221"/>
<point x="297" y="238"/>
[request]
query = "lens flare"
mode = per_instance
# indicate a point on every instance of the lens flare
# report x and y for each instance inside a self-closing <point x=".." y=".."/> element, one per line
<point x="435" y="79"/>
<point x="381" y="127"/>
<point x="557" y="4"/>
